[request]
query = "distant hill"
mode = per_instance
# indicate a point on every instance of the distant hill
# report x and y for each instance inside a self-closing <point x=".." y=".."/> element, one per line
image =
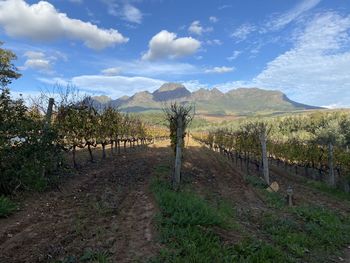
<point x="213" y="101"/>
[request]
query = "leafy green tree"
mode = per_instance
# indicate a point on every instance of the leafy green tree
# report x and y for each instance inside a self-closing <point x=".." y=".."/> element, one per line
<point x="8" y="71"/>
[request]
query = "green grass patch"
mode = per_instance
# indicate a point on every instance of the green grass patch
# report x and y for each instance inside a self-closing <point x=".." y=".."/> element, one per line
<point x="255" y="181"/>
<point x="187" y="224"/>
<point x="273" y="199"/>
<point x="308" y="233"/>
<point x="323" y="187"/>
<point x="88" y="256"/>
<point x="7" y="207"/>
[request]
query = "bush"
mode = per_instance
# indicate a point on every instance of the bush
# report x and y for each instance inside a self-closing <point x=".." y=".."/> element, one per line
<point x="7" y="207"/>
<point x="28" y="153"/>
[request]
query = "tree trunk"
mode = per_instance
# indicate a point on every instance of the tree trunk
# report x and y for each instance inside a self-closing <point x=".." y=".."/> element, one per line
<point x="178" y="157"/>
<point x="73" y="155"/>
<point x="263" y="141"/>
<point x="112" y="148"/>
<point x="103" y="151"/>
<point x="332" y="180"/>
<point x="90" y="153"/>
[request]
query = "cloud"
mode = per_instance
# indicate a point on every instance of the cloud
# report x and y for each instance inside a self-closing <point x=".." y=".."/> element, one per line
<point x="132" y="14"/>
<point x="111" y="71"/>
<point x="224" y="7"/>
<point x="197" y="29"/>
<point x="112" y="7"/>
<point x="166" y="45"/>
<point x="43" y="22"/>
<point x="213" y="19"/>
<point x="38" y="61"/>
<point x="243" y="31"/>
<point x="153" y="68"/>
<point x="214" y="42"/>
<point x="127" y="11"/>
<point x="316" y="69"/>
<point x="113" y="86"/>
<point x="282" y="20"/>
<point x="234" y="55"/>
<point x="220" y="70"/>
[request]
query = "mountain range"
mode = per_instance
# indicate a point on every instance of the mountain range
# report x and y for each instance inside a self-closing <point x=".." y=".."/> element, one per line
<point x="206" y="101"/>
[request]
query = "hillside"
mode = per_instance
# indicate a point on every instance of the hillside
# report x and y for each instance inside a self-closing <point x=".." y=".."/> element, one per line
<point x="213" y="101"/>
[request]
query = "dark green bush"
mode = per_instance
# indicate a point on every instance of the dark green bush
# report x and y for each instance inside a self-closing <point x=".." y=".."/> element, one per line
<point x="29" y="153"/>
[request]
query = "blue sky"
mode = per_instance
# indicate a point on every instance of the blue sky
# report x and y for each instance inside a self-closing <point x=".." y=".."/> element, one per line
<point x="119" y="47"/>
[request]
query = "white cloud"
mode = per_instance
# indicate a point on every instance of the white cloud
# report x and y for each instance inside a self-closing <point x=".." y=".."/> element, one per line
<point x="227" y="86"/>
<point x="55" y="81"/>
<point x="224" y="7"/>
<point x="214" y="42"/>
<point x="37" y="61"/>
<point x="316" y="69"/>
<point x="282" y="20"/>
<point x="213" y="19"/>
<point x="153" y="69"/>
<point x="197" y="29"/>
<point x="111" y="71"/>
<point x="42" y="21"/>
<point x="166" y="45"/>
<point x="114" y="86"/>
<point x="112" y="7"/>
<point x="132" y="14"/>
<point x="243" y="31"/>
<point x="127" y="11"/>
<point x="234" y="55"/>
<point x="220" y="70"/>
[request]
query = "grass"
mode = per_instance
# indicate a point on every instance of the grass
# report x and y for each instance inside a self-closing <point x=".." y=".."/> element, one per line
<point x="323" y="187"/>
<point x="255" y="181"/>
<point x="308" y="233"/>
<point x="188" y="225"/>
<point x="7" y="207"/>
<point x="88" y="257"/>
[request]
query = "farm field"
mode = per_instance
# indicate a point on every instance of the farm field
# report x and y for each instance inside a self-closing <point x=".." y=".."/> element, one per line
<point x="111" y="211"/>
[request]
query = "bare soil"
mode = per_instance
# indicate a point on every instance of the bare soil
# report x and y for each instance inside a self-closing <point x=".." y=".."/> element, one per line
<point x="105" y="208"/>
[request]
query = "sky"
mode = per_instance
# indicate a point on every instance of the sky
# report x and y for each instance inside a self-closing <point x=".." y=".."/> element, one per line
<point x="119" y="47"/>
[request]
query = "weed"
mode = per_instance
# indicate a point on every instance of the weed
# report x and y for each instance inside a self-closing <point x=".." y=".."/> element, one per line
<point x="323" y="187"/>
<point x="7" y="207"/>
<point x="255" y="181"/>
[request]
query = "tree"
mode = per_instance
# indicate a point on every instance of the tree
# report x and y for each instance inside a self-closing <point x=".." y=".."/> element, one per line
<point x="8" y="71"/>
<point x="179" y="117"/>
<point x="330" y="135"/>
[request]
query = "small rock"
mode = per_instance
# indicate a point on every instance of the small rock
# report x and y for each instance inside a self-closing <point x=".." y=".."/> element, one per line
<point x="274" y="187"/>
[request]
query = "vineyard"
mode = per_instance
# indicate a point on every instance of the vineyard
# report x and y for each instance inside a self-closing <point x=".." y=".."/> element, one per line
<point x="80" y="183"/>
<point x="313" y="145"/>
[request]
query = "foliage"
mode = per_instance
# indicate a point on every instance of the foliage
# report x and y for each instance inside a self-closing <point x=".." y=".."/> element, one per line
<point x="7" y="207"/>
<point x="28" y="153"/>
<point x="300" y="140"/>
<point x="8" y="71"/>
<point x="175" y="113"/>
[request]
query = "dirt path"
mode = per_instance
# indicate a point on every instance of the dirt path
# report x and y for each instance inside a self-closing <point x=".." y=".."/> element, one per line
<point x="106" y="209"/>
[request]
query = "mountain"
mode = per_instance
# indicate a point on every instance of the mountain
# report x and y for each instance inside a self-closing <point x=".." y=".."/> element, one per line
<point x="213" y="101"/>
